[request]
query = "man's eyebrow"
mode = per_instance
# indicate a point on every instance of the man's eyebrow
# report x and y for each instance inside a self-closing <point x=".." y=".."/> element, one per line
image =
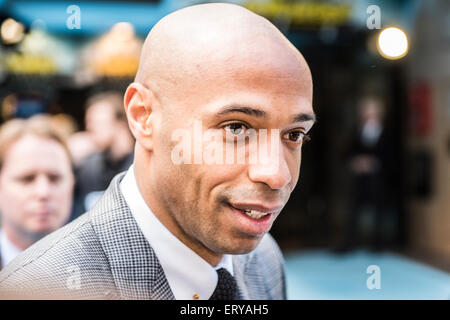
<point x="303" y="117"/>
<point x="243" y="109"/>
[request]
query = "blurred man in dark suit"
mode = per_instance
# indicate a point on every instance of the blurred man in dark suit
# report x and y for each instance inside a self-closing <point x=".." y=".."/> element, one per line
<point x="370" y="160"/>
<point x="106" y="124"/>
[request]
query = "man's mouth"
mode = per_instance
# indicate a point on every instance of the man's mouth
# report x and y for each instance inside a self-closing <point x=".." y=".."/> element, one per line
<point x="254" y="219"/>
<point x="256" y="211"/>
<point x="255" y="214"/>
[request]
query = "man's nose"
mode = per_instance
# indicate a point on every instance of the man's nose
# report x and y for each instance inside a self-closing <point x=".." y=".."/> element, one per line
<point x="42" y="187"/>
<point x="272" y="170"/>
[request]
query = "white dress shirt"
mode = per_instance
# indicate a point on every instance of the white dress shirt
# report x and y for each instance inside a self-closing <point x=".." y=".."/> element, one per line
<point x="190" y="276"/>
<point x="7" y="249"/>
<point x="371" y="132"/>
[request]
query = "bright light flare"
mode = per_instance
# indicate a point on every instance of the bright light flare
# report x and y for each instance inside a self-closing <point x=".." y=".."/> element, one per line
<point x="392" y="43"/>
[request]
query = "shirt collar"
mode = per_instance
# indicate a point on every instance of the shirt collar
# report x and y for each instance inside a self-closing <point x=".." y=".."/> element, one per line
<point x="7" y="249"/>
<point x="188" y="274"/>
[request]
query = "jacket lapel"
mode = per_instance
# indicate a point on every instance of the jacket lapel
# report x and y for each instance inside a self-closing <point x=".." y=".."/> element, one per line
<point x="250" y="280"/>
<point x="134" y="266"/>
<point x="239" y="270"/>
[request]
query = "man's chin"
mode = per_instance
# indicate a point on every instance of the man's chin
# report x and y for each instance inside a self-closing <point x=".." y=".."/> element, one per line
<point x="242" y="246"/>
<point x="38" y="232"/>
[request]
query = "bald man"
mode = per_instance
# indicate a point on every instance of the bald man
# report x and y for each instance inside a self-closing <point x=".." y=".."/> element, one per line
<point x="190" y="218"/>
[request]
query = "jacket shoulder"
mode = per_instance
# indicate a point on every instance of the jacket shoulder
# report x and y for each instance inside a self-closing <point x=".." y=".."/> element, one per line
<point x="69" y="263"/>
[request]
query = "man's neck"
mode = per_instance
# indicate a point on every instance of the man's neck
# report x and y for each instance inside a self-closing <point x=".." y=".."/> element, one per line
<point x="17" y="238"/>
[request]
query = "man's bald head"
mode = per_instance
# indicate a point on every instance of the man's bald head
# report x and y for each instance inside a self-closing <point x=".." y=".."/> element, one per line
<point x="218" y="70"/>
<point x="202" y="42"/>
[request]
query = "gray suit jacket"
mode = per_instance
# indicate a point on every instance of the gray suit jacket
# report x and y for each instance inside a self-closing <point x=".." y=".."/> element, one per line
<point x="104" y="255"/>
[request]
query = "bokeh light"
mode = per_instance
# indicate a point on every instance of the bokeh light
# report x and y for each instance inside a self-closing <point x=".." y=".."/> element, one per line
<point x="392" y="43"/>
<point x="11" y="31"/>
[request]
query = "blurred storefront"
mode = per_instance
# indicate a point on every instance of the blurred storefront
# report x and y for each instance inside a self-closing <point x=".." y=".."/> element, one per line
<point x="428" y="140"/>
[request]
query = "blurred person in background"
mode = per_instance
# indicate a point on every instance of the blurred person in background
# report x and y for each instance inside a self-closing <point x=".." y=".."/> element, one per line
<point x="107" y="126"/>
<point x="81" y="145"/>
<point x="65" y="124"/>
<point x="36" y="183"/>
<point x="370" y="161"/>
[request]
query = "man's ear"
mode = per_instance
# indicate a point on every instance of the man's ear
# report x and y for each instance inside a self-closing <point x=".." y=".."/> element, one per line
<point x="138" y="101"/>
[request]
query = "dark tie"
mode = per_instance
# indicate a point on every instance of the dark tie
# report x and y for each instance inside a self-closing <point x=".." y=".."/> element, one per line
<point x="226" y="287"/>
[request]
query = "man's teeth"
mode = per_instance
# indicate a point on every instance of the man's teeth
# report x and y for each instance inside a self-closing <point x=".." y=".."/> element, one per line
<point x="255" y="214"/>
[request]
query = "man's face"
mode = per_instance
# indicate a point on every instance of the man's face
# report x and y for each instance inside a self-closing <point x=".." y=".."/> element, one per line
<point x="369" y="111"/>
<point x="210" y="203"/>
<point x="36" y="184"/>
<point x="101" y="124"/>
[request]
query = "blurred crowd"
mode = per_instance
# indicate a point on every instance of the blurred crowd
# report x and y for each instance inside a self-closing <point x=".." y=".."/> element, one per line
<point x="50" y="172"/>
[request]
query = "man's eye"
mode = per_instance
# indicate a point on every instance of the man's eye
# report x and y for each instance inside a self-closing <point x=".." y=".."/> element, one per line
<point x="54" y="178"/>
<point x="26" y="179"/>
<point x="235" y="128"/>
<point x="296" y="136"/>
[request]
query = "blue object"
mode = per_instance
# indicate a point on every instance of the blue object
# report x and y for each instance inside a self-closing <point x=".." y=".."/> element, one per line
<point x="320" y="274"/>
